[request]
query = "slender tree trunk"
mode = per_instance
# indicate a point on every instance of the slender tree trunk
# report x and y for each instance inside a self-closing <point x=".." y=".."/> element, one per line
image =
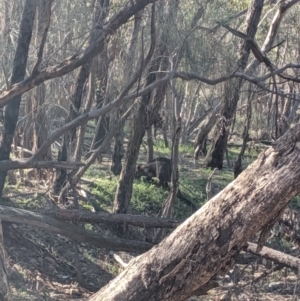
<point x="238" y="163"/>
<point x="19" y="68"/>
<point x="118" y="151"/>
<point x="169" y="204"/>
<point x="138" y="129"/>
<point x="232" y="89"/>
<point x="102" y="126"/>
<point x="11" y="118"/>
<point x="165" y="129"/>
<point x="150" y="152"/>
<point x="207" y="243"/>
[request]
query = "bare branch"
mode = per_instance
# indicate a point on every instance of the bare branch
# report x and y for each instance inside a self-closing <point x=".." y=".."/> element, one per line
<point x="194" y="76"/>
<point x="77" y="60"/>
<point x="96" y="113"/>
<point x="27" y="163"/>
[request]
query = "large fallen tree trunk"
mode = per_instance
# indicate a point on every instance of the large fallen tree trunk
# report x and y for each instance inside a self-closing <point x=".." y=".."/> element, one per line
<point x="207" y="243"/>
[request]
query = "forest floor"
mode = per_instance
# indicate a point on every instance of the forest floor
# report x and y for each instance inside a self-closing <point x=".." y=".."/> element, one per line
<point x="41" y="265"/>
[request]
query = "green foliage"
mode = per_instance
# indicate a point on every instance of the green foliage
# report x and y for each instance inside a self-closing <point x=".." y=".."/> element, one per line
<point x="295" y="202"/>
<point x="147" y="198"/>
<point x="104" y="190"/>
<point x="239" y="4"/>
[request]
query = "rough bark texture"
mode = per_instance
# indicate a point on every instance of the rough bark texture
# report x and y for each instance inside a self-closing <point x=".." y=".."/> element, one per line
<point x="19" y="68"/>
<point x="207" y="243"/>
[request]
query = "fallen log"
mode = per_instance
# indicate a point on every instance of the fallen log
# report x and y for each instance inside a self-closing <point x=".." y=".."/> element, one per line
<point x="276" y="256"/>
<point x="20" y="216"/>
<point x="109" y="218"/>
<point x="28" y="163"/>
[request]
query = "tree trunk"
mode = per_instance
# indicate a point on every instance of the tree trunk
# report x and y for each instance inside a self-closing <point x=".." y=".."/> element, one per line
<point x="232" y="89"/>
<point x="150" y="152"/>
<point x="169" y="204"/>
<point x="118" y="151"/>
<point x="124" y="190"/>
<point x="101" y="131"/>
<point x="283" y="7"/>
<point x="39" y="116"/>
<point x="101" y="99"/>
<point x="4" y="287"/>
<point x="238" y="163"/>
<point x="19" y="68"/>
<point x="204" y="129"/>
<point x="100" y="13"/>
<point x="207" y="243"/>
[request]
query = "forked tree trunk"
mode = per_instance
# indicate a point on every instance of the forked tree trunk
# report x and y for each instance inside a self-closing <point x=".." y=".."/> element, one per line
<point x="232" y="88"/>
<point x="207" y="243"/>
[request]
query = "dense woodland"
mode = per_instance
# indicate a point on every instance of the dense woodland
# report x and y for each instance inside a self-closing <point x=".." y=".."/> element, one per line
<point x="150" y="150"/>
